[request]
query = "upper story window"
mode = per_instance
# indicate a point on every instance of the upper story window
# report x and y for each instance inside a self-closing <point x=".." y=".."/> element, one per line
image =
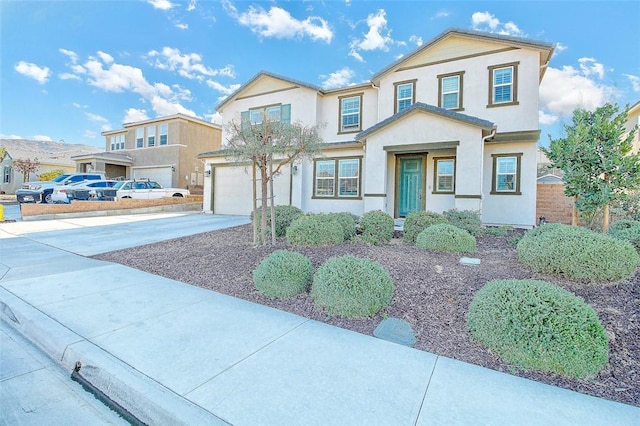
<point x="116" y="142"/>
<point x="444" y="176"/>
<point x="350" y="113"/>
<point x="450" y="89"/>
<point x="140" y="138"/>
<point x="503" y="84"/>
<point x="404" y="95"/>
<point x="281" y="113"/>
<point x="506" y="174"/>
<point x="164" y="134"/>
<point x="151" y="136"/>
<point x="337" y="178"/>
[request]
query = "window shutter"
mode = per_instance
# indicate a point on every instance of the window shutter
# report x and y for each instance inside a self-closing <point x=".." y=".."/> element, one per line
<point x="285" y="113"/>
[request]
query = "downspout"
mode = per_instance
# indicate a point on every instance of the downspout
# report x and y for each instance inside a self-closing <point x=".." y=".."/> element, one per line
<point x="484" y="140"/>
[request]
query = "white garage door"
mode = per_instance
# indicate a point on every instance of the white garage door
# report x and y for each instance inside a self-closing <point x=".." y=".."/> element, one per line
<point x="233" y="192"/>
<point x="162" y="175"/>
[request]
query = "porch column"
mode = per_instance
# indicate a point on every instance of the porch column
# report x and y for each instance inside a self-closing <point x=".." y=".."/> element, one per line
<point x="374" y="188"/>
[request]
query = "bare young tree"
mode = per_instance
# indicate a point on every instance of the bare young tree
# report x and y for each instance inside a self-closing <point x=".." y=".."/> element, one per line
<point x="269" y="146"/>
<point x="26" y="167"/>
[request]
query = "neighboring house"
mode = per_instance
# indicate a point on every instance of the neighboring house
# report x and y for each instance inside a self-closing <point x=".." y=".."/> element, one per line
<point x="51" y="156"/>
<point x="162" y="149"/>
<point x="452" y="125"/>
<point x="633" y="119"/>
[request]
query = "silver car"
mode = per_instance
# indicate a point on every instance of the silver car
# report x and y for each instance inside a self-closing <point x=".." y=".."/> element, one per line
<point x="85" y="190"/>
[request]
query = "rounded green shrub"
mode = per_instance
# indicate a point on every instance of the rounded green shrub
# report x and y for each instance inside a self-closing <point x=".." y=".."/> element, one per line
<point x="418" y="221"/>
<point x="536" y="325"/>
<point x="377" y="227"/>
<point x="351" y="286"/>
<point x="577" y="253"/>
<point x="446" y="237"/>
<point x="285" y="215"/>
<point x="346" y="221"/>
<point x="283" y="274"/>
<point x="627" y="230"/>
<point x="465" y="219"/>
<point x="314" y="230"/>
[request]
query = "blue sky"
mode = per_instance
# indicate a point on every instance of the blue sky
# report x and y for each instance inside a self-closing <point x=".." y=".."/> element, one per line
<point x="72" y="69"/>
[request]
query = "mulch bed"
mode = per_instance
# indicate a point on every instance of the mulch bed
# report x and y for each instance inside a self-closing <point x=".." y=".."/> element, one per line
<point x="432" y="292"/>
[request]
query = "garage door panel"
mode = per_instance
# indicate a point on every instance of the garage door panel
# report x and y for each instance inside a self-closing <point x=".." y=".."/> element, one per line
<point x="162" y="175"/>
<point x="233" y="192"/>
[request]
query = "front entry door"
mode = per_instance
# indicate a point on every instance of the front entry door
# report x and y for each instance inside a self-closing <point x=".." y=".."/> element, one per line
<point x="410" y="185"/>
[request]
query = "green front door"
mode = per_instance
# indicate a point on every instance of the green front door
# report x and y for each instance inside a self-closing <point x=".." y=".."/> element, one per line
<point x="410" y="185"/>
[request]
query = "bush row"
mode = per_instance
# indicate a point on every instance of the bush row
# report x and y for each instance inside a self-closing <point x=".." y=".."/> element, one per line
<point x="347" y="285"/>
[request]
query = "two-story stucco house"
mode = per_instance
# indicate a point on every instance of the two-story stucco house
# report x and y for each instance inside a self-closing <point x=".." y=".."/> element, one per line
<point x="163" y="149"/>
<point x="453" y="125"/>
<point x="633" y="119"/>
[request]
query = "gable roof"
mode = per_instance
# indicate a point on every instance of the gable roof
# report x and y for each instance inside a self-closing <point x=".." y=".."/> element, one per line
<point x="180" y="116"/>
<point x="260" y="75"/>
<point x="545" y="48"/>
<point x="430" y="109"/>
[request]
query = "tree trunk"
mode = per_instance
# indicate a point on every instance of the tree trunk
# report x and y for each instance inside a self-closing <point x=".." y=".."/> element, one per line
<point x="255" y="203"/>
<point x="264" y="196"/>
<point x="574" y="212"/>
<point x="605" y="219"/>
<point x="273" y="197"/>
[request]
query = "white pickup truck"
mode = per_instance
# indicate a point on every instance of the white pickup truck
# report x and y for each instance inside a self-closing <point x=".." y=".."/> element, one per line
<point x="32" y="192"/>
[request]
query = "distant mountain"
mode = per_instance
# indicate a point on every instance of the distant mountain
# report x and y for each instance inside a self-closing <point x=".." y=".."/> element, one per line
<point x="47" y="152"/>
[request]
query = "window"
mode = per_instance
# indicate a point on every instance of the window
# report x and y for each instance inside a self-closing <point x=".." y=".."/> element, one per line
<point x="506" y="174"/>
<point x="140" y="138"/>
<point x="6" y="174"/>
<point x="503" y="84"/>
<point x="444" y="175"/>
<point x="117" y="142"/>
<point x="404" y="95"/>
<point x="151" y="136"/>
<point x="164" y="134"/>
<point x="254" y="116"/>
<point x="450" y="88"/>
<point x="350" y="113"/>
<point x="337" y="178"/>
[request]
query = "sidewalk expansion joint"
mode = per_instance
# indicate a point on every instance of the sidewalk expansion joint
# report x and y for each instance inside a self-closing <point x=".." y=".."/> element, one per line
<point x="426" y="389"/>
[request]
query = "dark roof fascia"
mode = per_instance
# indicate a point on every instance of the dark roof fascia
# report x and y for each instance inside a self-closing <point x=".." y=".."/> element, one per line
<point x="266" y="74"/>
<point x="419" y="106"/>
<point x="103" y="155"/>
<point x="480" y="34"/>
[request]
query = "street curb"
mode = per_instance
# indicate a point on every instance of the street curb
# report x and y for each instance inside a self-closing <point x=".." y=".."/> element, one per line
<point x="185" y="207"/>
<point x="146" y="399"/>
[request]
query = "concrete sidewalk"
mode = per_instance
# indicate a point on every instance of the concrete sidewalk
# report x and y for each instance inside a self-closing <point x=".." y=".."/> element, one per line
<point x="172" y="353"/>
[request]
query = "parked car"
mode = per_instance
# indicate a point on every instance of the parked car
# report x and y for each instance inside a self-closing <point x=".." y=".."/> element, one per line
<point x="146" y="190"/>
<point x="85" y="190"/>
<point x="31" y="192"/>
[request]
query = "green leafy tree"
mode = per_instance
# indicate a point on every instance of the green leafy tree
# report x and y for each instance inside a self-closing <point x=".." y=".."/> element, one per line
<point x="269" y="146"/>
<point x="26" y="167"/>
<point x="597" y="161"/>
<point x="50" y="175"/>
<point x="3" y="153"/>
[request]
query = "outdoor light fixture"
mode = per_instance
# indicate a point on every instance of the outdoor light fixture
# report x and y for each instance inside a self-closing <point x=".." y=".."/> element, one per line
<point x="207" y="173"/>
<point x="173" y="168"/>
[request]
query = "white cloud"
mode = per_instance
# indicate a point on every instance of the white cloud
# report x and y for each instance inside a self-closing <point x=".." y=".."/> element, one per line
<point x="339" y="78"/>
<point x="416" y="39"/>
<point x="226" y="90"/>
<point x="485" y="21"/>
<point x="166" y="107"/>
<point x="546" y="118"/>
<point x="3" y="136"/>
<point x="635" y="82"/>
<point x="182" y="26"/>
<point x="95" y="117"/>
<point x="106" y="58"/>
<point x="559" y="48"/>
<point x="354" y="54"/>
<point x="441" y="14"/>
<point x="161" y="4"/>
<point x="565" y="89"/>
<point x="68" y="76"/>
<point x="188" y="65"/>
<point x="42" y="138"/>
<point x="40" y="74"/>
<point x="590" y="67"/>
<point x="133" y="115"/>
<point x="215" y="118"/>
<point x="191" y="6"/>
<point x="278" y="23"/>
<point x="90" y="134"/>
<point x="77" y="105"/>
<point x="378" y="36"/>
<point x="73" y="56"/>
